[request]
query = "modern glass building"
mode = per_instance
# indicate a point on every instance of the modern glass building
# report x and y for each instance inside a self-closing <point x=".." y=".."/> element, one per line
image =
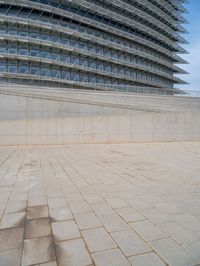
<point x="111" y="44"/>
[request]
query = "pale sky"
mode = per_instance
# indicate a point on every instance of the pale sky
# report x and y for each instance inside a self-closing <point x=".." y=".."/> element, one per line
<point x="193" y="47"/>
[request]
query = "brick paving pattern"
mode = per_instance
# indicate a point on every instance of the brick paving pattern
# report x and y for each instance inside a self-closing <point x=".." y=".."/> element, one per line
<point x="104" y="205"/>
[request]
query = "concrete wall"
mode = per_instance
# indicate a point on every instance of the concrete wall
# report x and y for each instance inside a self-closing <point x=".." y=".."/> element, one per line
<point x="152" y="127"/>
<point x="41" y="116"/>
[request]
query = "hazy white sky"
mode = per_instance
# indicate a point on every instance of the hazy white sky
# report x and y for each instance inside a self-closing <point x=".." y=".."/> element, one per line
<point x="193" y="47"/>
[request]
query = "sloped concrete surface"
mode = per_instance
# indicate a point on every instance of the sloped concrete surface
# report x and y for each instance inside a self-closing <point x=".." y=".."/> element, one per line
<point x="32" y="102"/>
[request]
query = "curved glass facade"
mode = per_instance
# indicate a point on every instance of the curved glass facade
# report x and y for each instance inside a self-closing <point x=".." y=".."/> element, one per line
<point x="124" y="45"/>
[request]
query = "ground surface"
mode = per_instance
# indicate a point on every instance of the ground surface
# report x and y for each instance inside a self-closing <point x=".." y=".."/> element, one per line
<point x="130" y="204"/>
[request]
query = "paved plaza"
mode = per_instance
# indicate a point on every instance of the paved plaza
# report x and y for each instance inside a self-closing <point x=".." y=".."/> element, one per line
<point x="104" y="205"/>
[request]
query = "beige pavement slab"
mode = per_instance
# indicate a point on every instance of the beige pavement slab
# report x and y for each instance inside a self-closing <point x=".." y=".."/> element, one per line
<point x="148" y="259"/>
<point x="65" y="230"/>
<point x="79" y="207"/>
<point x="148" y="231"/>
<point x="37" y="201"/>
<point x="38" y="250"/>
<point x="72" y="253"/>
<point x="87" y="220"/>
<point x="194" y="248"/>
<point x="113" y="222"/>
<point x="112" y="257"/>
<point x="37" y="228"/>
<point x="11" y="257"/>
<point x="60" y="214"/>
<point x="11" y="238"/>
<point x="57" y="203"/>
<point x="130" y="214"/>
<point x="19" y="206"/>
<point x="116" y="203"/>
<point x="37" y="212"/>
<point x="102" y="208"/>
<point x="173" y="253"/>
<point x="51" y="263"/>
<point x="98" y="240"/>
<point x="130" y="243"/>
<point x="179" y="233"/>
<point x="12" y="220"/>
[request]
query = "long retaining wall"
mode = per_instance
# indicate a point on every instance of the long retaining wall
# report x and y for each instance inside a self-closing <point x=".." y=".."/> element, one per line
<point x="52" y="116"/>
<point x="149" y="127"/>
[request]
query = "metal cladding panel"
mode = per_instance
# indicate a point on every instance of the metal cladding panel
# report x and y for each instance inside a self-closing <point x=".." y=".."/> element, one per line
<point x="122" y="44"/>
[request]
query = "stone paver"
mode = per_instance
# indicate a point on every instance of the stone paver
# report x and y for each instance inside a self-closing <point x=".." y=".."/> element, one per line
<point x="173" y="253"/>
<point x="179" y="233"/>
<point x="147" y="230"/>
<point x="98" y="240"/>
<point x="130" y="215"/>
<point x="148" y="259"/>
<point x="72" y="252"/>
<point x="87" y="220"/>
<point x="60" y="214"/>
<point x="37" y="212"/>
<point x="130" y="243"/>
<point x="12" y="220"/>
<point x="37" y="228"/>
<point x="38" y="250"/>
<point x="112" y="257"/>
<point x="56" y="203"/>
<point x="11" y="257"/>
<point x="87" y="205"/>
<point x="117" y="203"/>
<point x="113" y="222"/>
<point x="19" y="206"/>
<point x="65" y="230"/>
<point x="11" y="238"/>
<point x="79" y="207"/>
<point x="37" y="201"/>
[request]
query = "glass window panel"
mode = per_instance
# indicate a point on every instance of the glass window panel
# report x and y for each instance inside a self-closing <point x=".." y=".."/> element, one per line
<point x="35" y="71"/>
<point x="75" y="76"/>
<point x="12" y="68"/>
<point x="55" y="56"/>
<point x="12" y="50"/>
<point x="35" y="53"/>
<point x="55" y="73"/>
<point x="99" y="65"/>
<point x="2" y="28"/>
<point x="74" y="44"/>
<point x="45" y="72"/>
<point x="82" y="45"/>
<point x="115" y="69"/>
<point x="34" y="35"/>
<point x="83" y="62"/>
<point x="2" y="66"/>
<point x="55" y="38"/>
<point x="2" y="48"/>
<point x="67" y="59"/>
<point x="81" y="77"/>
<point x="63" y="74"/>
<point x="24" y="33"/>
<point x="12" y="32"/>
<point x="72" y="59"/>
<point x="23" y="51"/>
<point x="44" y="36"/>
<point x="90" y="63"/>
<point x="44" y="54"/>
<point x="24" y="69"/>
